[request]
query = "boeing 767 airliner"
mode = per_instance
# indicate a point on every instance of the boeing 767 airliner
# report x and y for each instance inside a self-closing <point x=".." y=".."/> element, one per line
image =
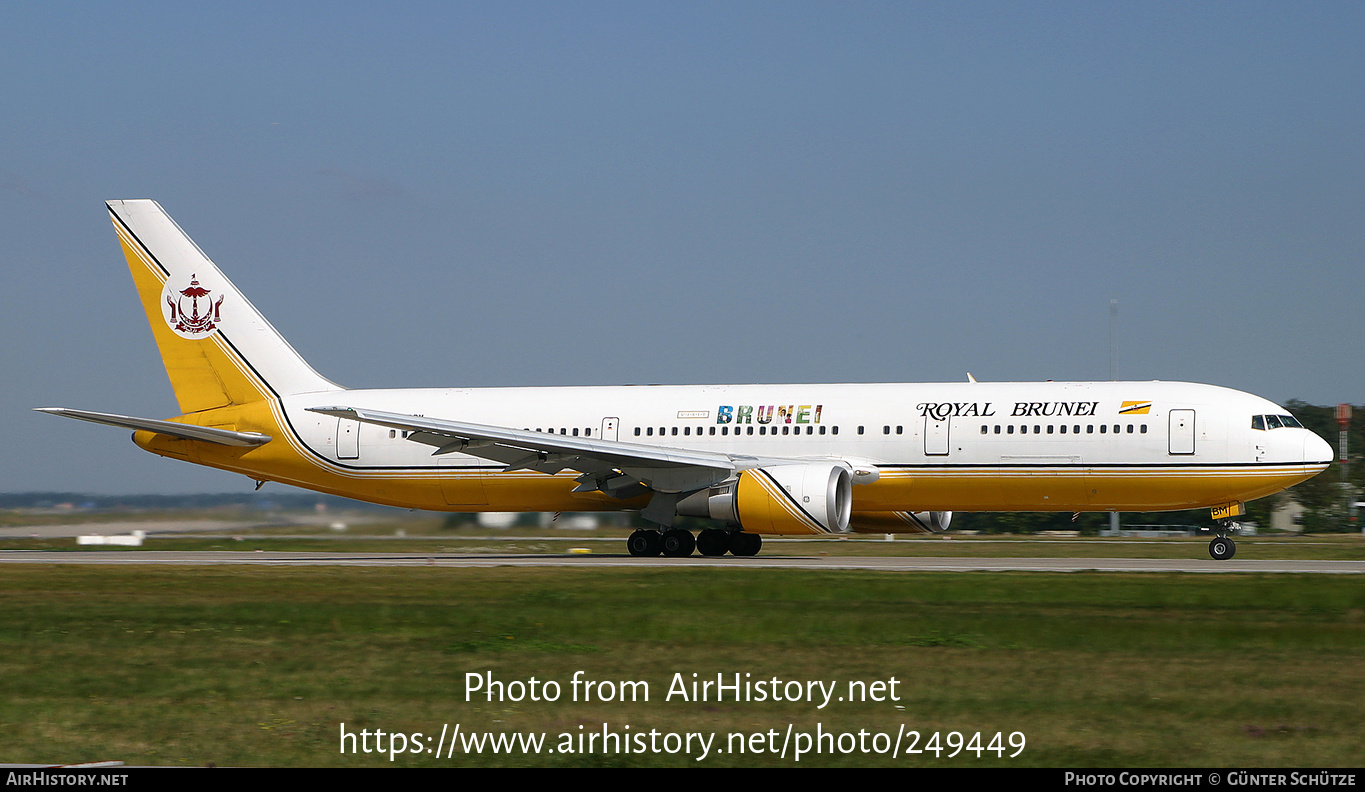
<point x="757" y="459"/>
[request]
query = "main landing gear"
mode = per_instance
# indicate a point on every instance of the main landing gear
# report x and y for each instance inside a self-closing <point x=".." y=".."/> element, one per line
<point x="678" y="543"/>
<point x="1222" y="548"/>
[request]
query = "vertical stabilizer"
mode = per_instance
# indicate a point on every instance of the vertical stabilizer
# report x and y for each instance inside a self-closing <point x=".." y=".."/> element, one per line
<point x="218" y="349"/>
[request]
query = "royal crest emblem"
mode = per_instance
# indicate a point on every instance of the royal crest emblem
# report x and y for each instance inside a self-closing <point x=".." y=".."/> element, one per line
<point x="192" y="312"/>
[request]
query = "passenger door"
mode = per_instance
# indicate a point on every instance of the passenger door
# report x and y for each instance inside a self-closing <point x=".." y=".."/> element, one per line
<point x="1182" y="432"/>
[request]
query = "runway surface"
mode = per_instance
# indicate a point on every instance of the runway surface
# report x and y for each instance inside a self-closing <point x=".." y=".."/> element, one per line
<point x="594" y="560"/>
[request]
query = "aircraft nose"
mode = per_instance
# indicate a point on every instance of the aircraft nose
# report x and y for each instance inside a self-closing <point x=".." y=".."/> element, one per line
<point x="1316" y="450"/>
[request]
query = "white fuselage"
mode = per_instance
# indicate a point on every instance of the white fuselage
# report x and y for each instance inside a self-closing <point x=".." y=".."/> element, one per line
<point x="963" y="446"/>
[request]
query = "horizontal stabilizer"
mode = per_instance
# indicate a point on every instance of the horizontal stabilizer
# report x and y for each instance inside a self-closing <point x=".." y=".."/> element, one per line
<point x="187" y="431"/>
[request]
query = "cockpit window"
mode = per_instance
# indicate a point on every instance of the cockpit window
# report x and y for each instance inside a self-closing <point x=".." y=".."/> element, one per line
<point x="1275" y="422"/>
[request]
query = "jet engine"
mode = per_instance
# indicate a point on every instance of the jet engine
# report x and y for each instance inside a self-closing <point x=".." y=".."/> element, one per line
<point x="782" y="499"/>
<point x="901" y="522"/>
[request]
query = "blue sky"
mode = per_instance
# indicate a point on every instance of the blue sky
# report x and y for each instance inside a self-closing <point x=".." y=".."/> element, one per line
<point x="602" y="193"/>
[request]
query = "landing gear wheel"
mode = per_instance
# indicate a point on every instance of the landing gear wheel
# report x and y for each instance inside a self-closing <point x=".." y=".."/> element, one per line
<point x="745" y="544"/>
<point x="644" y="543"/>
<point x="713" y="542"/>
<point x="678" y="543"/>
<point x="1222" y="548"/>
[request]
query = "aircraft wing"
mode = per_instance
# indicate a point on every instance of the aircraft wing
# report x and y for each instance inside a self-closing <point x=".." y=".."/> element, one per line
<point x="619" y="469"/>
<point x="205" y="434"/>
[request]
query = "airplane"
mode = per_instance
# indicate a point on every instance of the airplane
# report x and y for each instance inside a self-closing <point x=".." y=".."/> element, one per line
<point x="759" y="460"/>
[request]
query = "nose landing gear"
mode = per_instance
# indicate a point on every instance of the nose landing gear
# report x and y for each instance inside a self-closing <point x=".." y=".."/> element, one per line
<point x="1222" y="547"/>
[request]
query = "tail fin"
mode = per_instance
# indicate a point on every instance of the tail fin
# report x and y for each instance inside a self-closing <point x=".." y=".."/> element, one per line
<point x="218" y="349"/>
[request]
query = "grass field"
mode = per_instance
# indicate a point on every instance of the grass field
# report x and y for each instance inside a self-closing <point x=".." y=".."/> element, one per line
<point x="253" y="666"/>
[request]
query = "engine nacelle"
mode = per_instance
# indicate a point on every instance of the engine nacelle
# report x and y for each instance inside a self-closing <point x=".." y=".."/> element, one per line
<point x="901" y="522"/>
<point x="812" y="498"/>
